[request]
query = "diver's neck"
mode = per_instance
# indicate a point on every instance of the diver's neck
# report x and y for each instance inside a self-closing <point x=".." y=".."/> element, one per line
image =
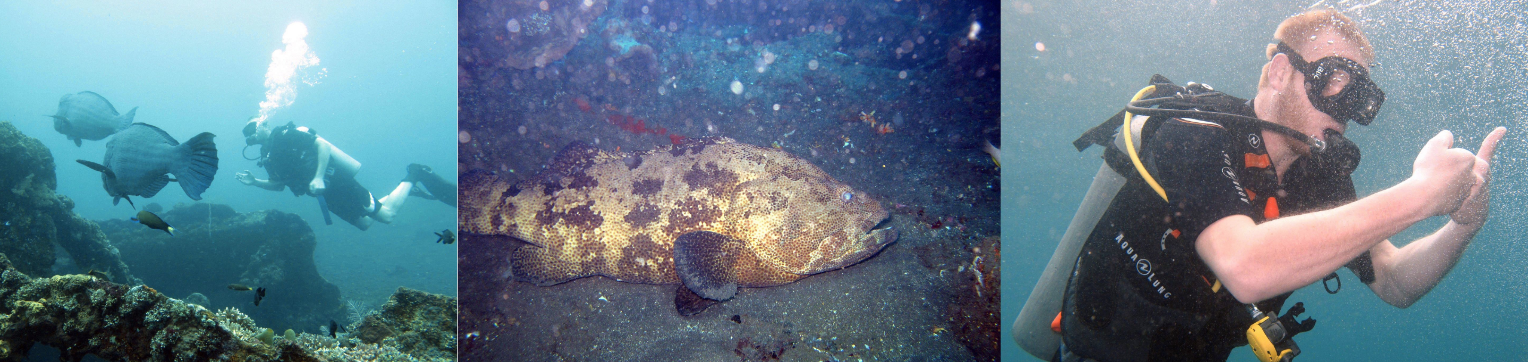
<point x="1281" y="149"/>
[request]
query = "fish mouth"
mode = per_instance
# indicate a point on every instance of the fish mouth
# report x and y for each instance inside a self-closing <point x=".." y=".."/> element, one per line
<point x="884" y="224"/>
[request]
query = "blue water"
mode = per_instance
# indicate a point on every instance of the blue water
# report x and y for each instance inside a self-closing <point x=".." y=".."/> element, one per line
<point x="386" y="97"/>
<point x="1449" y="65"/>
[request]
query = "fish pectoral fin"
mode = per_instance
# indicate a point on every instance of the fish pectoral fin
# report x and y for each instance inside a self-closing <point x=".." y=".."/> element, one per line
<point x="706" y="263"/>
<point x="96" y="166"/>
<point x="77" y="141"/>
<point x="688" y="303"/>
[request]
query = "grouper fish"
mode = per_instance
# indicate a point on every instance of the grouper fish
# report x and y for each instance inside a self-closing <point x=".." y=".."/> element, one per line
<point x="139" y="158"/>
<point x="90" y="116"/>
<point x="709" y="214"/>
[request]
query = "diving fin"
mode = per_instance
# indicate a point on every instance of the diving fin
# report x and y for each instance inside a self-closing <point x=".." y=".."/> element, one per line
<point x="440" y="188"/>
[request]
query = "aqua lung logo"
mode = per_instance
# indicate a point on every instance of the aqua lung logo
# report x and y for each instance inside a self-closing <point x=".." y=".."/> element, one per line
<point x="1254" y="141"/>
<point x="1231" y="174"/>
<point x="1142" y="266"/>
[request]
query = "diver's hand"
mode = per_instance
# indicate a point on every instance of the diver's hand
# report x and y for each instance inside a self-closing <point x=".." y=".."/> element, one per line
<point x="245" y="177"/>
<point x="1475" y="208"/>
<point x="1445" y="174"/>
<point x="317" y="186"/>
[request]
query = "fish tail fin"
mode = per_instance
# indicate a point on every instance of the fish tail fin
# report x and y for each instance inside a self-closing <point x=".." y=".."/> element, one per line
<point x="198" y="164"/>
<point x="170" y="229"/>
<point x="126" y="119"/>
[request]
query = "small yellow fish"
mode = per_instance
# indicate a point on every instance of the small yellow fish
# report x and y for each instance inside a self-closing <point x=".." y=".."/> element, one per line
<point x="240" y="287"/>
<point x="153" y="222"/>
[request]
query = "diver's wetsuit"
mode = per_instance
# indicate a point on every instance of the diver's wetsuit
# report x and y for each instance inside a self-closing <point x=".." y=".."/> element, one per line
<point x="290" y="157"/>
<point x="1140" y="290"/>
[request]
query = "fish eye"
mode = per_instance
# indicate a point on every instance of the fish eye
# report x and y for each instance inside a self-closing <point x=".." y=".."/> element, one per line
<point x="848" y="196"/>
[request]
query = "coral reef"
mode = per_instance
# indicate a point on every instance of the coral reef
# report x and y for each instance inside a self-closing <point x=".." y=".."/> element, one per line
<point x="215" y="246"/>
<point x="418" y="323"/>
<point x="33" y="218"/>
<point x="85" y="315"/>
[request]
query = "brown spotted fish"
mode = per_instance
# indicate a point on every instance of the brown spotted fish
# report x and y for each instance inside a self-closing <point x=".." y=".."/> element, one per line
<point x="711" y="214"/>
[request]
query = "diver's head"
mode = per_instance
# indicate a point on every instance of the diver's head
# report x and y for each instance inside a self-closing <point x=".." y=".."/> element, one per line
<point x="255" y="131"/>
<point x="1317" y="74"/>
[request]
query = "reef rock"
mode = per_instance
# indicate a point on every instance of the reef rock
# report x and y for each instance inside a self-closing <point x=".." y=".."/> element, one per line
<point x="269" y="249"/>
<point x="33" y="218"/>
<point x="83" y="315"/>
<point x="418" y="323"/>
<point x="531" y="33"/>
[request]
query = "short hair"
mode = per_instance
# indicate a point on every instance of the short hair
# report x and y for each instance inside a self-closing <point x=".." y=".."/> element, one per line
<point x="1297" y="30"/>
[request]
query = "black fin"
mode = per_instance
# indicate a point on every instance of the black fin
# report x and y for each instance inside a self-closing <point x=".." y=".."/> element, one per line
<point x="442" y="190"/>
<point x="199" y="163"/>
<point x="705" y="262"/>
<point x="688" y="304"/>
<point x="97" y="167"/>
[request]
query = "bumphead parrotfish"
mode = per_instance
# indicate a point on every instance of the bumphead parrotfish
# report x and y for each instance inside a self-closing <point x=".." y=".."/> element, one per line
<point x="139" y="157"/>
<point x="90" y="116"/>
<point x="710" y="214"/>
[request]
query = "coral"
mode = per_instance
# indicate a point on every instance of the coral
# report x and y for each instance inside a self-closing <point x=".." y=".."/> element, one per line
<point x="34" y="218"/>
<point x="215" y="246"/>
<point x="82" y="315"/>
<point x="418" y="323"/>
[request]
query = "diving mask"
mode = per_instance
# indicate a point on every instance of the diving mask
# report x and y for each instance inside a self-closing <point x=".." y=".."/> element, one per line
<point x="1358" y="101"/>
<point x="251" y="129"/>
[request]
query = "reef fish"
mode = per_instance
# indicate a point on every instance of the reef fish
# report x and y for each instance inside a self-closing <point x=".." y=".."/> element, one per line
<point x="87" y="115"/>
<point x="710" y="214"/>
<point x="259" y="294"/>
<point x="139" y="157"/>
<point x="153" y="222"/>
<point x="240" y="287"/>
<point x="446" y="237"/>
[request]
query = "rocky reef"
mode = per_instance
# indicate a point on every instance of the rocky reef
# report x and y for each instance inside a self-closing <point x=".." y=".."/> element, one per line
<point x="418" y="323"/>
<point x="214" y="246"/>
<point x="33" y="218"/>
<point x="83" y="315"/>
<point x="528" y="33"/>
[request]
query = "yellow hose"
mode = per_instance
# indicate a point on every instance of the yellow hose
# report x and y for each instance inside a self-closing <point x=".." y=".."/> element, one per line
<point x="1130" y="146"/>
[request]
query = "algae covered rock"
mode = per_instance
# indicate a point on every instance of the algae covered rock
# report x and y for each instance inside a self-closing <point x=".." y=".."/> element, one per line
<point x="33" y="218"/>
<point x="418" y="323"/>
<point x="85" y="315"/>
<point x="214" y="246"/>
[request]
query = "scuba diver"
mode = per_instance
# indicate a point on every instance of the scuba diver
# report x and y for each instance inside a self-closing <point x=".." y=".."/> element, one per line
<point x="1211" y="210"/>
<point x="297" y="158"/>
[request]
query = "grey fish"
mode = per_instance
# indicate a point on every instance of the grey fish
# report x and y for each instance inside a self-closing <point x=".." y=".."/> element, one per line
<point x="139" y="157"/>
<point x="90" y="116"/>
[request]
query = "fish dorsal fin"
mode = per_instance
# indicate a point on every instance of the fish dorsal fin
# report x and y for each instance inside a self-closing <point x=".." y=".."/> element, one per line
<point x="706" y="263"/>
<point x="103" y="100"/>
<point x="166" y="135"/>
<point x="577" y="156"/>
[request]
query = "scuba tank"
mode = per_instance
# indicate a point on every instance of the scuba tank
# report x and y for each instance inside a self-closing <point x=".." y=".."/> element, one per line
<point x="1037" y="328"/>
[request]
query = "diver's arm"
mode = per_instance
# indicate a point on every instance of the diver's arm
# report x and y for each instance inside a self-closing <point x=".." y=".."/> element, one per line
<point x="1259" y="261"/>
<point x="316" y="187"/>
<point x="1403" y="275"/>
<point x="249" y="179"/>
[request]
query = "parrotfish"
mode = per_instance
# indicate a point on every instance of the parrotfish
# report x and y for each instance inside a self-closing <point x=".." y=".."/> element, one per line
<point x="139" y="158"/>
<point x="90" y="116"/>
